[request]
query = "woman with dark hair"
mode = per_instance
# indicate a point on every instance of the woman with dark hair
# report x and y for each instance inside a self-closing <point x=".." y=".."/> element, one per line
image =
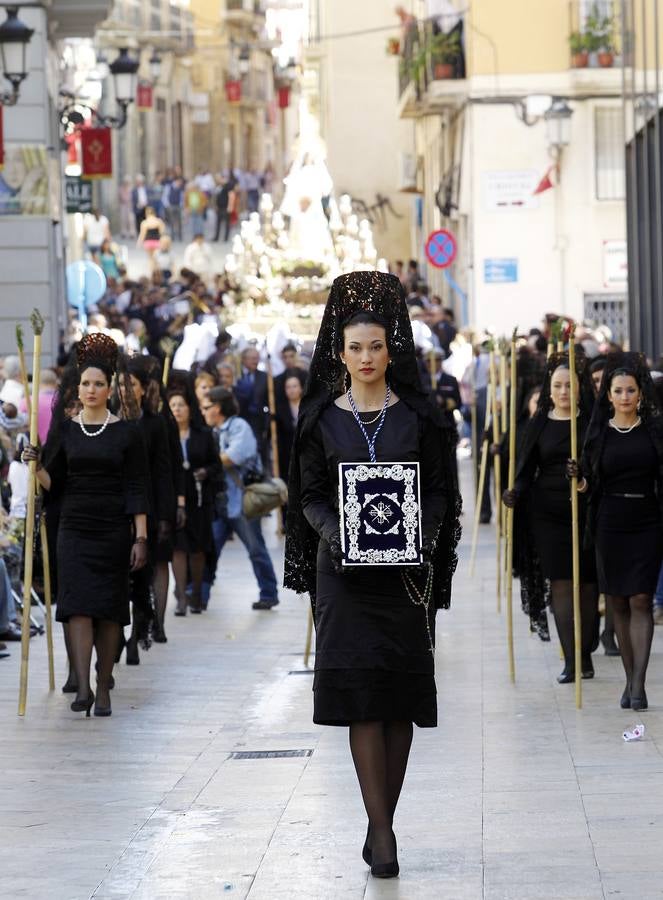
<point x="134" y="385"/>
<point x="622" y="469"/>
<point x="287" y="413"/>
<point x="97" y="462"/>
<point x="375" y="630"/>
<point x="202" y="469"/>
<point x="542" y="477"/>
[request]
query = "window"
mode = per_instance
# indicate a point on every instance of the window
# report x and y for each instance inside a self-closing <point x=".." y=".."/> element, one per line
<point x="609" y="153"/>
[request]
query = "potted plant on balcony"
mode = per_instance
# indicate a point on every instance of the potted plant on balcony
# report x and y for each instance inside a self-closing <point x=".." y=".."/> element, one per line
<point x="600" y="31"/>
<point x="393" y="46"/>
<point x="444" y="50"/>
<point x="579" y="47"/>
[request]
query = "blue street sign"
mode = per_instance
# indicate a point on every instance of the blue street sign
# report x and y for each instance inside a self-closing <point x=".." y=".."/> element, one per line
<point x="86" y="285"/>
<point x="500" y="271"/>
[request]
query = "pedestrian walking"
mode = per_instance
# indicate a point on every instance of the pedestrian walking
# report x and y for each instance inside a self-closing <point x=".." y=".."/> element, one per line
<point x="238" y="453"/>
<point x="195" y="205"/>
<point x="201" y="475"/>
<point x="374" y="664"/>
<point x="97" y="462"/>
<point x="139" y="201"/>
<point x="173" y="205"/>
<point x="152" y="228"/>
<point x="127" y="217"/>
<point x="251" y="393"/>
<point x="542" y="479"/>
<point x="622" y="468"/>
<point x="96" y="230"/>
<point x="222" y="203"/>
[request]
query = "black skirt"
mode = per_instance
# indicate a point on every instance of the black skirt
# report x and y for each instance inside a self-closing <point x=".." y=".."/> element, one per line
<point x="374" y="660"/>
<point x="550" y="521"/>
<point x="629" y="545"/>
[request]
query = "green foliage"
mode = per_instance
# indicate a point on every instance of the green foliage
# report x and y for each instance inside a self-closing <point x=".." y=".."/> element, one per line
<point x="598" y="34"/>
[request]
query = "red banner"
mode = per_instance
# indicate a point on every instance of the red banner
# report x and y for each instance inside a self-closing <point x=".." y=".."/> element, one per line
<point x="144" y="96"/>
<point x="96" y="153"/>
<point x="233" y="91"/>
<point x="284" y="97"/>
<point x="2" y="141"/>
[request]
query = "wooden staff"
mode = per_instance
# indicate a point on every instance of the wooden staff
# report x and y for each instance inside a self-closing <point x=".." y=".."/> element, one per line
<point x="37" y="327"/>
<point x="504" y="424"/>
<point x="474" y="436"/>
<point x="309" y="636"/>
<point x="575" y="534"/>
<point x="431" y="369"/>
<point x="271" y="400"/>
<point x="166" y="370"/>
<point x="497" y="477"/>
<point x="510" y="512"/>
<point x="482" y="481"/>
<point x="45" y="558"/>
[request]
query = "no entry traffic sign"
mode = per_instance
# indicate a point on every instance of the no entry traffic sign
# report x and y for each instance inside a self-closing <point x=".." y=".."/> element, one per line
<point x="441" y="249"/>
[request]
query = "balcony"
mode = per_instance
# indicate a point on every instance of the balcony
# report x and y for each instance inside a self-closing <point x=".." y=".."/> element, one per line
<point x="594" y="34"/>
<point x="431" y="66"/>
<point x="78" y="18"/>
<point x="245" y="12"/>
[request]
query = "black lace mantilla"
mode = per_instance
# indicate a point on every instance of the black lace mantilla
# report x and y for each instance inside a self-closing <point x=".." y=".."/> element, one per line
<point x="383" y="295"/>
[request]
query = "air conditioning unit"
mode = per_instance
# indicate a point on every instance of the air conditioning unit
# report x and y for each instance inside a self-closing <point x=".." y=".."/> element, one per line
<point x="408" y="167"/>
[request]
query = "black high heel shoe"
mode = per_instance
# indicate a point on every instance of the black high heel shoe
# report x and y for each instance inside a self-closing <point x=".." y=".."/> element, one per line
<point x="70" y="686"/>
<point x="367" y="853"/>
<point x="566" y="676"/>
<point x="625" y="702"/>
<point x="102" y="710"/>
<point x="387" y="870"/>
<point x="639" y="703"/>
<point x="83" y="705"/>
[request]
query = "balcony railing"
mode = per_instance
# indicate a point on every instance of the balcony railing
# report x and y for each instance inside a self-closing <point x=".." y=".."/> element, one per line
<point x="253" y="7"/>
<point x="428" y="54"/>
<point x="594" y="33"/>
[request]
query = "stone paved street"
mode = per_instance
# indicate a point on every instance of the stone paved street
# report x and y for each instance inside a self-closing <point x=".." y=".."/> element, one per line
<point x="516" y="796"/>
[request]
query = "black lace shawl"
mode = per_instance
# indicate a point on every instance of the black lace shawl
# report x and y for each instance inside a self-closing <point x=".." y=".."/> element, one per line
<point x="383" y="295"/>
<point x="652" y="419"/>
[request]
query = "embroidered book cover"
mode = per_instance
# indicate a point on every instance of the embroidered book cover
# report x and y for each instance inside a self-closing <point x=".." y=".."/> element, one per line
<point x="380" y="512"/>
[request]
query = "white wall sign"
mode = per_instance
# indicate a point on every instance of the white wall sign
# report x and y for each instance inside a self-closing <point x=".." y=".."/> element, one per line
<point x="615" y="264"/>
<point x="510" y="190"/>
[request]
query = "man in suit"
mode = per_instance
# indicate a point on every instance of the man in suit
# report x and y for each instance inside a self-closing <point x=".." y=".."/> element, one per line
<point x="251" y="393"/>
<point x="139" y="201"/>
<point x="292" y="366"/>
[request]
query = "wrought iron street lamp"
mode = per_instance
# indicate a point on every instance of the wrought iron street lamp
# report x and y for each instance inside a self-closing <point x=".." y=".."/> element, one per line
<point x="124" y="70"/>
<point x="14" y="39"/>
<point x="558" y="124"/>
<point x="155" y="66"/>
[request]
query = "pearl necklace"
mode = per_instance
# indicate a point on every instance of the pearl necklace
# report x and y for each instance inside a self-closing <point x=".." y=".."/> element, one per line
<point x="93" y="434"/>
<point x="627" y="429"/>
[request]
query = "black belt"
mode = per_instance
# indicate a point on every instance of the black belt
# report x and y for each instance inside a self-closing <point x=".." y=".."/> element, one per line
<point x="633" y="496"/>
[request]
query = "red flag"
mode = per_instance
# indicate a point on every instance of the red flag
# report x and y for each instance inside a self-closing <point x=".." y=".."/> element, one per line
<point x="96" y="153"/>
<point x="233" y="91"/>
<point x="549" y="180"/>
<point x="144" y="95"/>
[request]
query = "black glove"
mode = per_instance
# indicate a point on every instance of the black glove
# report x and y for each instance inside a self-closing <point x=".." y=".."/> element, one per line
<point x="180" y="518"/>
<point x="573" y="469"/>
<point x="336" y="553"/>
<point x="510" y="498"/>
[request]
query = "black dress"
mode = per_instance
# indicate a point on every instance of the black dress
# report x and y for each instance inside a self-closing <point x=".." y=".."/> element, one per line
<point x="199" y="451"/>
<point x="629" y="537"/>
<point x="374" y="660"/>
<point x="549" y="514"/>
<point x="103" y="483"/>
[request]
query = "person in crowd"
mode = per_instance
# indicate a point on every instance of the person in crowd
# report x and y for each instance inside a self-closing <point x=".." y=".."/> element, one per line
<point x="134" y="391"/>
<point x="108" y="260"/>
<point x="173" y="200"/>
<point x="198" y="257"/>
<point x="195" y="207"/>
<point x="291" y="364"/>
<point x="542" y="477"/>
<point x="596" y="369"/>
<point x="622" y="471"/>
<point x="127" y="218"/>
<point x="399" y="271"/>
<point x="155" y="193"/>
<point x="222" y="203"/>
<point x="251" y="394"/>
<point x="48" y="385"/>
<point x="202" y="385"/>
<point x="99" y="461"/>
<point x="374" y="665"/>
<point x="12" y="392"/>
<point x="152" y="228"/>
<point x="447" y="397"/>
<point x="222" y="351"/>
<point x="412" y="277"/>
<point x="252" y="187"/>
<point x="239" y="457"/>
<point x="226" y="374"/>
<point x="474" y="389"/>
<point x="139" y="201"/>
<point x="201" y="475"/>
<point x="164" y="261"/>
<point x="445" y="330"/>
<point x="96" y="230"/>
<point x="287" y="413"/>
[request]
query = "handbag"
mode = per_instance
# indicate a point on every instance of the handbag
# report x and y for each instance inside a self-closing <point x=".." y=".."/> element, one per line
<point x="259" y="498"/>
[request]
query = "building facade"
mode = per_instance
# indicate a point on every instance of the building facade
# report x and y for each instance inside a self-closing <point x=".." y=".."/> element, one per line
<point x="486" y="141"/>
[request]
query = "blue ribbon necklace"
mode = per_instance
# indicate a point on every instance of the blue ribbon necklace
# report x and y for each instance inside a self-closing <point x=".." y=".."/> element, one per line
<point x="355" y="413"/>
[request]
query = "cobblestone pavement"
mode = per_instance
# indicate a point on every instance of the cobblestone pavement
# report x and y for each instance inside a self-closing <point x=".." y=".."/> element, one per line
<point x="516" y="795"/>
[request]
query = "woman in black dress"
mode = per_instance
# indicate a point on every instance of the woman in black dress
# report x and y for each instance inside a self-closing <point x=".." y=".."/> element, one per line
<point x="542" y="481"/>
<point x="374" y="669"/>
<point x="97" y="461"/>
<point x="134" y="387"/>
<point x="202" y="469"/>
<point x="623" y="471"/>
<point x="287" y="413"/>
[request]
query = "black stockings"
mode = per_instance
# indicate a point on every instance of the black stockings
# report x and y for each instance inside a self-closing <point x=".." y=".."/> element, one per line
<point x="182" y="563"/>
<point x="84" y="633"/>
<point x="634" y="626"/>
<point x="380" y="753"/>
<point x="160" y="587"/>
<point x="106" y="639"/>
<point x="562" y="605"/>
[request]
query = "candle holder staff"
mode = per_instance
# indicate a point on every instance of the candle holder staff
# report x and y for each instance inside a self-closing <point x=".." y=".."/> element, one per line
<point x="374" y="665"/>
